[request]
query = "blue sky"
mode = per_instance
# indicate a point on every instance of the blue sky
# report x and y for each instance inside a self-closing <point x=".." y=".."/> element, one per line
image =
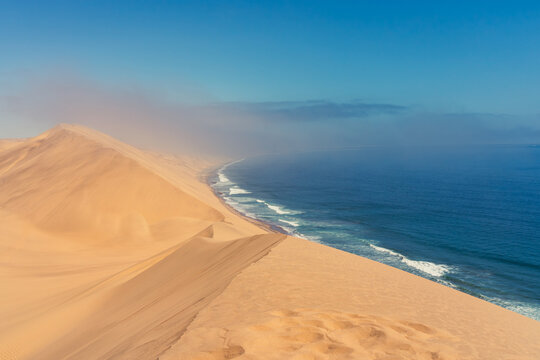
<point x="435" y="56"/>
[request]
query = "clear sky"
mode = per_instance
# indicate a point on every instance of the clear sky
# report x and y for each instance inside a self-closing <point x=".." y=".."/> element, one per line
<point x="438" y="56"/>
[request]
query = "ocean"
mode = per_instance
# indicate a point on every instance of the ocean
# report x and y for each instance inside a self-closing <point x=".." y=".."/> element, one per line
<point x="467" y="217"/>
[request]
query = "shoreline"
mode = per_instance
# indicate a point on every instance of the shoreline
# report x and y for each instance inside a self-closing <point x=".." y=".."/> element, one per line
<point x="190" y="277"/>
<point x="323" y="283"/>
<point x="205" y="177"/>
<point x="208" y="175"/>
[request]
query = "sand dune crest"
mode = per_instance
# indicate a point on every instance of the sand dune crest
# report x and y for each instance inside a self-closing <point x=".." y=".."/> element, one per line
<point x="83" y="186"/>
<point x="110" y="252"/>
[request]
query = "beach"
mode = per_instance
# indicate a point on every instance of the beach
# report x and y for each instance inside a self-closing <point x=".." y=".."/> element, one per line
<point x="111" y="252"/>
<point x="464" y="217"/>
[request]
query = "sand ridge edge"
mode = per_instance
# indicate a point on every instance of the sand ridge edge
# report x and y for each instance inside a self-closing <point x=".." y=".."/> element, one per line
<point x="103" y="270"/>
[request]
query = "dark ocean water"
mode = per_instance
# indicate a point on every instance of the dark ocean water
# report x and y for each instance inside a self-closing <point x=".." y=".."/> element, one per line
<point x="468" y="218"/>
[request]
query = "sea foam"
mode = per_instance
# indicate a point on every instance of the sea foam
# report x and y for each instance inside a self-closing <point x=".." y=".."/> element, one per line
<point x="523" y="308"/>
<point x="293" y="223"/>
<point x="236" y="190"/>
<point x="222" y="178"/>
<point x="277" y="209"/>
<point x="427" y="267"/>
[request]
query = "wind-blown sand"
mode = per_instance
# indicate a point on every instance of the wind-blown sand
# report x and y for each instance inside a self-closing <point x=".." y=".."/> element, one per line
<point x="109" y="252"/>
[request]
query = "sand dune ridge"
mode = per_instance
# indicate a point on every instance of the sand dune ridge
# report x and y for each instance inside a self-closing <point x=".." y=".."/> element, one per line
<point x="111" y="252"/>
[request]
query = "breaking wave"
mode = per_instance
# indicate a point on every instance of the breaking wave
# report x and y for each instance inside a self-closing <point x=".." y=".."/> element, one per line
<point x="236" y="190"/>
<point x="427" y="267"/>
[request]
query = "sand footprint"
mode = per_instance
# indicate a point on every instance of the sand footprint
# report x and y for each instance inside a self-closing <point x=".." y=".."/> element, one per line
<point x="317" y="334"/>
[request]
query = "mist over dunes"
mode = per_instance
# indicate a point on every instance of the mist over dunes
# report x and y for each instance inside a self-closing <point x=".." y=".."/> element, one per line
<point x="109" y="252"/>
<point x="207" y="125"/>
<point x="94" y="189"/>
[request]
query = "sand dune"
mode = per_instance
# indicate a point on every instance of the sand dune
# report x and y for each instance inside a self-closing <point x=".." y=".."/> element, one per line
<point x="7" y="143"/>
<point x="304" y="299"/>
<point x="95" y="231"/>
<point x="68" y="183"/>
<point x="109" y="252"/>
<point x="317" y="333"/>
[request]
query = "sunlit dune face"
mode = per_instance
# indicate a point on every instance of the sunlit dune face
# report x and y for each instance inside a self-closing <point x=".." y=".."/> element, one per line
<point x="107" y="251"/>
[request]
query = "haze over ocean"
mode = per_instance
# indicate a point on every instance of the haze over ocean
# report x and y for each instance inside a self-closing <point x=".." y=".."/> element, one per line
<point x="273" y="75"/>
<point x="468" y="218"/>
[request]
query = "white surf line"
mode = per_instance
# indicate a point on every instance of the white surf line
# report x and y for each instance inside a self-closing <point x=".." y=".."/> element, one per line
<point x="236" y="190"/>
<point x="277" y="209"/>
<point x="293" y="223"/>
<point x="221" y="176"/>
<point x="427" y="267"/>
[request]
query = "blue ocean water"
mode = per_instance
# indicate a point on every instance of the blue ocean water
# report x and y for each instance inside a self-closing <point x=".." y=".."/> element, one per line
<point x="468" y="218"/>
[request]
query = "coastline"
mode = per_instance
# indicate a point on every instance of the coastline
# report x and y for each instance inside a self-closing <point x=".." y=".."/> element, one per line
<point x="319" y="281"/>
<point x="187" y="277"/>
<point x="206" y="176"/>
<point x="444" y="272"/>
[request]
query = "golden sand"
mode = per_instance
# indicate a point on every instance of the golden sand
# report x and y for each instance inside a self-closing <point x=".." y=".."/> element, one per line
<point x="109" y="252"/>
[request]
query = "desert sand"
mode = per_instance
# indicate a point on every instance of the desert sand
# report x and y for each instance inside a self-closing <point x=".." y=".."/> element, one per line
<point x="110" y="252"/>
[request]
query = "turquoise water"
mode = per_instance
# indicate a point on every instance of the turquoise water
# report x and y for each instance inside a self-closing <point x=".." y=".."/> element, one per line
<point x="468" y="218"/>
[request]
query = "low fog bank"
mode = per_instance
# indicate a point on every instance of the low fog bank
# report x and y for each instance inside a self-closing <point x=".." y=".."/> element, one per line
<point x="247" y="128"/>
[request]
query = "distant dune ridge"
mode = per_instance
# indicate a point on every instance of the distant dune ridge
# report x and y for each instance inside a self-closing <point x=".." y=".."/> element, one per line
<point x="110" y="252"/>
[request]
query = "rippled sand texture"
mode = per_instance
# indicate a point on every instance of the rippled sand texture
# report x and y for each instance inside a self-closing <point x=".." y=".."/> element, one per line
<point x="331" y="299"/>
<point x="309" y="334"/>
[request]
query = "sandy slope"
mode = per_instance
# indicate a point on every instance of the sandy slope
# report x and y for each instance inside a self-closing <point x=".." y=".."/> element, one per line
<point x="306" y="301"/>
<point x="7" y="143"/>
<point x="108" y="252"/>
